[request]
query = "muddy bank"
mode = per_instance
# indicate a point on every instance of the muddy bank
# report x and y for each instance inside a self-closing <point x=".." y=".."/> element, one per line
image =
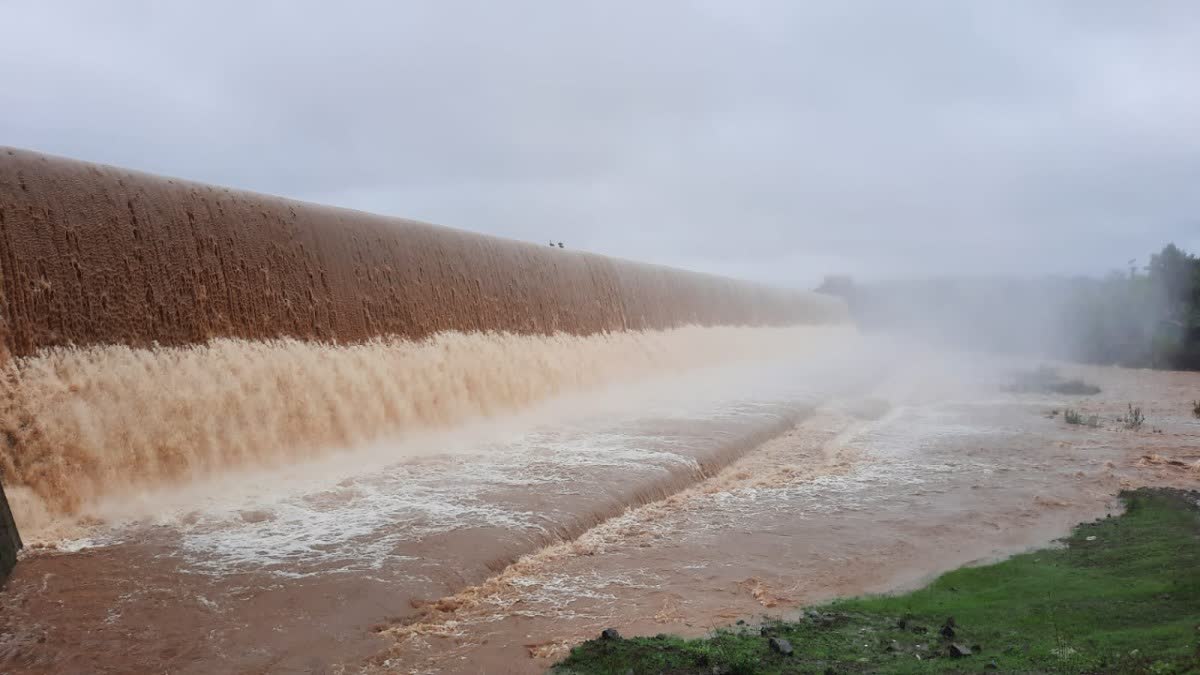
<point x="93" y="254"/>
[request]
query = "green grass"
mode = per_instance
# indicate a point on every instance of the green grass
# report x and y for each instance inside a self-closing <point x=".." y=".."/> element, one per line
<point x="1121" y="596"/>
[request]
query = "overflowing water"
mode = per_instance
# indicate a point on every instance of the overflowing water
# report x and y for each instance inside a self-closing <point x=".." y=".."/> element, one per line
<point x="649" y="480"/>
<point x="93" y="430"/>
<point x="434" y="490"/>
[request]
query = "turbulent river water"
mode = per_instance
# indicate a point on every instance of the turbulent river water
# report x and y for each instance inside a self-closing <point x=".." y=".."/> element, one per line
<point x="670" y="482"/>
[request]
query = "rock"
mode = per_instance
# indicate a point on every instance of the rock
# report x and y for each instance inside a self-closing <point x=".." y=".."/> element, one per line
<point x="781" y="646"/>
<point x="610" y="634"/>
<point x="958" y="651"/>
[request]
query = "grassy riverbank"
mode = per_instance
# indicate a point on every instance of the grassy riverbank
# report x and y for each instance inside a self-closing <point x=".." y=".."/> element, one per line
<point x="1121" y="595"/>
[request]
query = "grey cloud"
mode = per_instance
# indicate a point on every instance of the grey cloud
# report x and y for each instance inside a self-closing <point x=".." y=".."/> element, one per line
<point x="773" y="140"/>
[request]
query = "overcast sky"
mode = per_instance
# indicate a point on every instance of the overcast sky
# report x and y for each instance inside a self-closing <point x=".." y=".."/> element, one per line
<point x="774" y="141"/>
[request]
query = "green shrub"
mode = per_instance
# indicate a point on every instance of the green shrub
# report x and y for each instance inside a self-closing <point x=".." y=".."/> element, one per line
<point x="1077" y="418"/>
<point x="1133" y="419"/>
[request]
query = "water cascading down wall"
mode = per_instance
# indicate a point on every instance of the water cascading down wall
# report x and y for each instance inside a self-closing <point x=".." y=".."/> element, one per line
<point x="154" y="329"/>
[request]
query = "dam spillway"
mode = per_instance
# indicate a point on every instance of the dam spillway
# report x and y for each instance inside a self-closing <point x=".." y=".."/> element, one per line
<point x="224" y="410"/>
<point x="93" y="254"/>
<point x="155" y="331"/>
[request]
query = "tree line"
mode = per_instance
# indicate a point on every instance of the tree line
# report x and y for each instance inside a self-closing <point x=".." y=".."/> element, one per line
<point x="1142" y="318"/>
<point x="1147" y="317"/>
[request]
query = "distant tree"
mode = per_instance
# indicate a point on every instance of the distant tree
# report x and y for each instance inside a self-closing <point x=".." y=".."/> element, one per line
<point x="1175" y="277"/>
<point x="1137" y="318"/>
<point x="1143" y="320"/>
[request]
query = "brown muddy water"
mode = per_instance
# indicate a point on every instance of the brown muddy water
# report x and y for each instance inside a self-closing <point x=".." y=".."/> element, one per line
<point x="661" y="500"/>
<point x="100" y="255"/>
<point x="930" y="467"/>
<point x="89" y="429"/>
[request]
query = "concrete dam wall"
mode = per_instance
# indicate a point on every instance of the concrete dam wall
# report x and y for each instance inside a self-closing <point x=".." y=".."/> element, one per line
<point x="157" y="332"/>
